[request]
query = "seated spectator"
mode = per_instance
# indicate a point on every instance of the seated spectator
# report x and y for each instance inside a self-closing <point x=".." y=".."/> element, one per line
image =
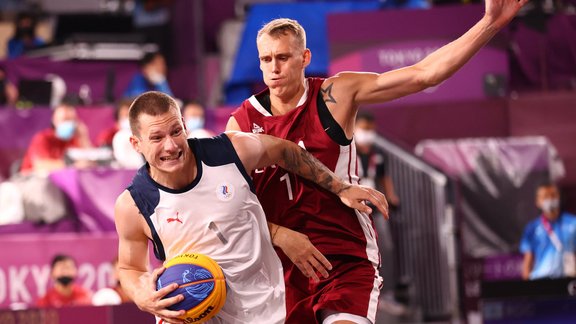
<point x="48" y="147"/>
<point x="151" y="77"/>
<point x="8" y="91"/>
<point x="65" y="292"/>
<point x="105" y="137"/>
<point x="24" y="38"/>
<point x="548" y="243"/>
<point x="193" y="114"/>
<point x="124" y="153"/>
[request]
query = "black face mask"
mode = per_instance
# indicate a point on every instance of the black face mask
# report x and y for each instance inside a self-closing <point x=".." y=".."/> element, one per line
<point x="65" y="280"/>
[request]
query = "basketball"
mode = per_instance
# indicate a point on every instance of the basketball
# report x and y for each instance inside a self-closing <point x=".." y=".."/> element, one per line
<point x="201" y="282"/>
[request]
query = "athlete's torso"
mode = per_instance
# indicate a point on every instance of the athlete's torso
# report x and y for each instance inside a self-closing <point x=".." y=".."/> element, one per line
<point x="297" y="203"/>
<point x="218" y="215"/>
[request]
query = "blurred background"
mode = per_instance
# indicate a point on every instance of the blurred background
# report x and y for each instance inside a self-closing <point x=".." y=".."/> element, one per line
<point x="465" y="157"/>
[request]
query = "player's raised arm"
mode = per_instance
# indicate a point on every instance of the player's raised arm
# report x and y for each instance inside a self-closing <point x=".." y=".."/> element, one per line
<point x="367" y="88"/>
<point x="258" y="151"/>
<point x="139" y="284"/>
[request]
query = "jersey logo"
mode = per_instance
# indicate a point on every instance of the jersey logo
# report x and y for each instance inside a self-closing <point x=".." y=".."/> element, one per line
<point x="170" y="220"/>
<point x="257" y="129"/>
<point x="225" y="192"/>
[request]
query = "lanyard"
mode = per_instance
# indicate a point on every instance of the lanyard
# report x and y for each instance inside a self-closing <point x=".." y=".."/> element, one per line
<point x="551" y="234"/>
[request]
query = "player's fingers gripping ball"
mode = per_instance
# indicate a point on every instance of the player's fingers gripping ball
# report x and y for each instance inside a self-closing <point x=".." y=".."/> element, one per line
<point x="200" y="280"/>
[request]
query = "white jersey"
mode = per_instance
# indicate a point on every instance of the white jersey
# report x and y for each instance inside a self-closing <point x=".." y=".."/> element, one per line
<point x="218" y="215"/>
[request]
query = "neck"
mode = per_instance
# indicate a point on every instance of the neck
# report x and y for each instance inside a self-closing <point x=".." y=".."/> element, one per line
<point x="179" y="179"/>
<point x="286" y="102"/>
<point x="64" y="290"/>
<point x="552" y="216"/>
<point x="364" y="149"/>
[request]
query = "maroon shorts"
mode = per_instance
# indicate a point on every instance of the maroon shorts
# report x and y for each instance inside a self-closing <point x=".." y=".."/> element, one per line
<point x="352" y="287"/>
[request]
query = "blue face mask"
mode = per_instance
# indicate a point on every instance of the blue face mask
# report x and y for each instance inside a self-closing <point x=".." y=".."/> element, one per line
<point x="65" y="130"/>
<point x="194" y="123"/>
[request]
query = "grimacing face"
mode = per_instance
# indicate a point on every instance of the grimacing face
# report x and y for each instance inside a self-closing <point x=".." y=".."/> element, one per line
<point x="282" y="61"/>
<point x="162" y="141"/>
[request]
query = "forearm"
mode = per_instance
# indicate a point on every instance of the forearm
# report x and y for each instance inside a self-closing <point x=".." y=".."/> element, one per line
<point x="302" y="163"/>
<point x="130" y="280"/>
<point x="444" y="62"/>
<point x="527" y="264"/>
<point x="273" y="229"/>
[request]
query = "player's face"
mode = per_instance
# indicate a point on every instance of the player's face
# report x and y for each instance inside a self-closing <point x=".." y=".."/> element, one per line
<point x="282" y="61"/>
<point x="162" y="141"/>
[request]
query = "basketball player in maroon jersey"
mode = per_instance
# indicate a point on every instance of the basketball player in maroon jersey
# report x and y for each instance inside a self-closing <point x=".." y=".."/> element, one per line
<point x="319" y="115"/>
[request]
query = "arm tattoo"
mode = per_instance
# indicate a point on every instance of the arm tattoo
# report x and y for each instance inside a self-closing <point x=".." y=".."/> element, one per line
<point x="327" y="94"/>
<point x="304" y="164"/>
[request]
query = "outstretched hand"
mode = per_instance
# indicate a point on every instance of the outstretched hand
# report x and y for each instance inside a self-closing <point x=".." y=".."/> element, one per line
<point x="355" y="196"/>
<point x="501" y="12"/>
<point x="148" y="299"/>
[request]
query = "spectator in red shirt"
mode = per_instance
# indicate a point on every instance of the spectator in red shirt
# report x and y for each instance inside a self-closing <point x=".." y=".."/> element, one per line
<point x="48" y="147"/>
<point x="65" y="291"/>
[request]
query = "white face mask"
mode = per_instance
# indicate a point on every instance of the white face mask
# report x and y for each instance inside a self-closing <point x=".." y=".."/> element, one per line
<point x="156" y="77"/>
<point x="364" y="137"/>
<point x="549" y="205"/>
<point x="125" y="124"/>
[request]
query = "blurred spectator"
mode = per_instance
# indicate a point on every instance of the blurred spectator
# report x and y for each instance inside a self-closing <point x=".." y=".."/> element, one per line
<point x="193" y="114"/>
<point x="372" y="170"/>
<point x="124" y="153"/>
<point x="24" y="38"/>
<point x="121" y="122"/>
<point x="114" y="295"/>
<point x="151" y="77"/>
<point x="65" y="291"/>
<point x="549" y="242"/>
<point x="8" y="91"/>
<point x="48" y="147"/>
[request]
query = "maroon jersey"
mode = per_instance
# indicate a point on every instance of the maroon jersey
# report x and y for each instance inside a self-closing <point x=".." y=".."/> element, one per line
<point x="297" y="203"/>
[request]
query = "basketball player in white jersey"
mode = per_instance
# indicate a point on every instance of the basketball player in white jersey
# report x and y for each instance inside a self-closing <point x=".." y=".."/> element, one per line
<point x="197" y="196"/>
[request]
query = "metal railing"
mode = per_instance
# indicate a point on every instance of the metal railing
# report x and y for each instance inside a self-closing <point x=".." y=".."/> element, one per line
<point x="424" y="233"/>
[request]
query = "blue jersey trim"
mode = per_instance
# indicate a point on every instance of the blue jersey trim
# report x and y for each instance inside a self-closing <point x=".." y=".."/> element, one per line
<point x="147" y="197"/>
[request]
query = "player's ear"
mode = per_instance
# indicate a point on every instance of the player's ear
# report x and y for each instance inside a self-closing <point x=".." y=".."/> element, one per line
<point x="307" y="57"/>
<point x="135" y="143"/>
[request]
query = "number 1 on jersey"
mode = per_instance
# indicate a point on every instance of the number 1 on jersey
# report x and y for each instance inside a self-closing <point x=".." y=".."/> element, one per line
<point x="288" y="185"/>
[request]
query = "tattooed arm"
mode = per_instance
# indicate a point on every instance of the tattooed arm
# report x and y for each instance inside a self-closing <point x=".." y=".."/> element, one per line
<point x="258" y="151"/>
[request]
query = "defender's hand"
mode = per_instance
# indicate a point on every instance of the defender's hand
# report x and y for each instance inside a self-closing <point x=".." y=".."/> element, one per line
<point x="354" y="196"/>
<point x="302" y="253"/>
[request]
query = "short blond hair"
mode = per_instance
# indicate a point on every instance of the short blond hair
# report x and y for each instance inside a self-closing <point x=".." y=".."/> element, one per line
<point x="283" y="26"/>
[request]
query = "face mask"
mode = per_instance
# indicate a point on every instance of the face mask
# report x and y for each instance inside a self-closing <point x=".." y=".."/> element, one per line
<point x="549" y="205"/>
<point x="364" y="137"/>
<point x="125" y="124"/>
<point x="194" y="123"/>
<point x="156" y="77"/>
<point x="65" y="280"/>
<point x="65" y="130"/>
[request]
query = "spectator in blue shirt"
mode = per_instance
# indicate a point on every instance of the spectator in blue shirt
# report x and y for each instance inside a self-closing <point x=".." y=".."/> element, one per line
<point x="151" y="77"/>
<point x="549" y="242"/>
<point x="24" y="37"/>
